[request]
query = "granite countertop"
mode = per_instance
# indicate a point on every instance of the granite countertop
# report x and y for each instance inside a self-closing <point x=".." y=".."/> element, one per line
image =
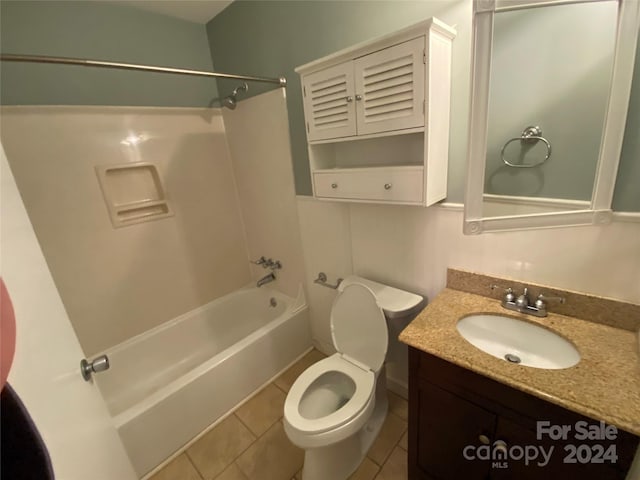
<point x="604" y="385"/>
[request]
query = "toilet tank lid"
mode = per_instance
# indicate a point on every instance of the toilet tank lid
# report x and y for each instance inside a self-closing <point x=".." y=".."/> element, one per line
<point x="393" y="301"/>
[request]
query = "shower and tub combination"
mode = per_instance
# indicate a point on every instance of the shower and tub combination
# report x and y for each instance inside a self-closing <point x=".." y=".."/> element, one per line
<point x="167" y="385"/>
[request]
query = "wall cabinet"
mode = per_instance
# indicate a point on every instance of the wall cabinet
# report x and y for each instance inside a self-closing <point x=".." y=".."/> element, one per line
<point x="377" y="118"/>
<point x="451" y="408"/>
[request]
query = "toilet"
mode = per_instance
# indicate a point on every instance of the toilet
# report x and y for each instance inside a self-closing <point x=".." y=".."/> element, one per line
<point x="336" y="407"/>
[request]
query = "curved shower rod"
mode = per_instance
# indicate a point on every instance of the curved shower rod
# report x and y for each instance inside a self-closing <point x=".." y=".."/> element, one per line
<point x="132" y="66"/>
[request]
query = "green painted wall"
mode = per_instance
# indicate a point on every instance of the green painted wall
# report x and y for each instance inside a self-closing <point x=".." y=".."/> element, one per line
<point x="102" y="31"/>
<point x="271" y="38"/>
<point x="626" y="196"/>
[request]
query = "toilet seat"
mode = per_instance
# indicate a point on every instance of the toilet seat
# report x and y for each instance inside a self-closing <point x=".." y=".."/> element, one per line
<point x="359" y="327"/>
<point x="364" y="381"/>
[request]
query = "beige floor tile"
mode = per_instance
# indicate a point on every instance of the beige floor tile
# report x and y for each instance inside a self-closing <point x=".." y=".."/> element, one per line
<point x="180" y="468"/>
<point x="271" y="457"/>
<point x="232" y="472"/>
<point x="216" y="450"/>
<point x="395" y="468"/>
<point x="404" y="441"/>
<point x="366" y="471"/>
<point x="285" y="380"/>
<point x="399" y="406"/>
<point x="390" y="434"/>
<point x="263" y="410"/>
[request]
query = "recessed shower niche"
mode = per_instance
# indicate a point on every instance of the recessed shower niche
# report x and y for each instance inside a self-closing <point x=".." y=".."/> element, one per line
<point x="133" y="193"/>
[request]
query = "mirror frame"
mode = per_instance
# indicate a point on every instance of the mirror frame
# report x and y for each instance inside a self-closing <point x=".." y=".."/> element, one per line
<point x="613" y="131"/>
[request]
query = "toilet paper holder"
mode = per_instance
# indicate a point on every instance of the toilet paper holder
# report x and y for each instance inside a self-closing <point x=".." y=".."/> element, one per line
<point x="322" y="280"/>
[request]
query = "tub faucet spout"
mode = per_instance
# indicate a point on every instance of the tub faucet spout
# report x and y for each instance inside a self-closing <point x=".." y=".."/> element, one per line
<point x="266" y="279"/>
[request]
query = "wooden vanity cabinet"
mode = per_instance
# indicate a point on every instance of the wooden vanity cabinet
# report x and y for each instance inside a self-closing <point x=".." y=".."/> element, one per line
<point x="451" y="408"/>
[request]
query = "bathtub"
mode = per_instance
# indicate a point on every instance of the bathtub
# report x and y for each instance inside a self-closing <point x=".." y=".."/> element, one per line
<point x="167" y="385"/>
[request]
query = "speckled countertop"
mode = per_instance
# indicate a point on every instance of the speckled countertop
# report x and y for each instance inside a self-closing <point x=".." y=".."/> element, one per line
<point x="604" y="385"/>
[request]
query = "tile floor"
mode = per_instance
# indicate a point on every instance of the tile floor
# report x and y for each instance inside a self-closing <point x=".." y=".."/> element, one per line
<point x="251" y="444"/>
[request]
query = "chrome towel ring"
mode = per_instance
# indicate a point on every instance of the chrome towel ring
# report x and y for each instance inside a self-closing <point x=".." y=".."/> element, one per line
<point x="530" y="135"/>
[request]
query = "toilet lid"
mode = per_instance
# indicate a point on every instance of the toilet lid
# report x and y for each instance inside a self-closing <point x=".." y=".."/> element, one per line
<point x="359" y="327"/>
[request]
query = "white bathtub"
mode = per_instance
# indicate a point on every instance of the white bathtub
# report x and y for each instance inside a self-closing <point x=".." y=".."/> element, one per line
<point x="170" y="383"/>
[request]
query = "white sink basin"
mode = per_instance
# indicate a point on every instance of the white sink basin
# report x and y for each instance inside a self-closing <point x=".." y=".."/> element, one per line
<point x="517" y="341"/>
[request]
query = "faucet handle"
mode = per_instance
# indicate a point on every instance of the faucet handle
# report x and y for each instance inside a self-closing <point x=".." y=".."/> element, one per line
<point x="272" y="264"/>
<point x="541" y="302"/>
<point x="275" y="265"/>
<point x="509" y="296"/>
<point x="260" y="261"/>
<point x="523" y="300"/>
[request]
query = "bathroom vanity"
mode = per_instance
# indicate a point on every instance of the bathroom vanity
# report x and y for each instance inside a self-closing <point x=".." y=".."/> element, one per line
<point x="451" y="408"/>
<point x="474" y="416"/>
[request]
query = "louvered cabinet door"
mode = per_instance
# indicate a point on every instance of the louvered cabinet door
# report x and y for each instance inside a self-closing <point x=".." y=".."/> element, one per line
<point x="329" y="103"/>
<point x="390" y="88"/>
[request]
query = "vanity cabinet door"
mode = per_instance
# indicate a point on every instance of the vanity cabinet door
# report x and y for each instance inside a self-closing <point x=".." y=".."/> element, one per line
<point x="446" y="425"/>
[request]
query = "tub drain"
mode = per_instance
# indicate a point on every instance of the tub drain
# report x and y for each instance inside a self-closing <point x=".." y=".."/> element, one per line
<point x="273" y="302"/>
<point x="510" y="357"/>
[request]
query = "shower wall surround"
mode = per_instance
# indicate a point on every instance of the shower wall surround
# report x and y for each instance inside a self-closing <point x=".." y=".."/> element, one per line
<point x="118" y="282"/>
<point x="258" y="139"/>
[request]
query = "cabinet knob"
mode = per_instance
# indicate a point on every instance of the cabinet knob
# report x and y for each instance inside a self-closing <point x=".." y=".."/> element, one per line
<point x="500" y="446"/>
<point x="349" y="98"/>
<point x="334" y="185"/>
<point x="484" y="440"/>
<point x="358" y="97"/>
<point x="387" y="186"/>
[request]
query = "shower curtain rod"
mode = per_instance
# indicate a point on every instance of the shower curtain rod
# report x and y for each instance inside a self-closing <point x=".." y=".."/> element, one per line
<point x="132" y="66"/>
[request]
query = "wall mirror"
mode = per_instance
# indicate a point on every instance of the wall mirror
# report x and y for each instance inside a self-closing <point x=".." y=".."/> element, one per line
<point x="550" y="93"/>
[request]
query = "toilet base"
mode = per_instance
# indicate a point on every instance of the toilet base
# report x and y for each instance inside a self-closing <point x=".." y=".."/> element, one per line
<point x="341" y="459"/>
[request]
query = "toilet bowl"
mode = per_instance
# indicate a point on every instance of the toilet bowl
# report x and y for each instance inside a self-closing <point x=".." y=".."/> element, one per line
<point x="336" y="407"/>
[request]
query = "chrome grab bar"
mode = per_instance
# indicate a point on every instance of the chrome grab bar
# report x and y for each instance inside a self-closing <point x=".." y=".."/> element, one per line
<point x="531" y="134"/>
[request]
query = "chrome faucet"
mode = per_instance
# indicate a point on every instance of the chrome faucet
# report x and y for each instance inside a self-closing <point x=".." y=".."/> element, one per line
<point x="267" y="263"/>
<point x="266" y="279"/>
<point x="523" y="304"/>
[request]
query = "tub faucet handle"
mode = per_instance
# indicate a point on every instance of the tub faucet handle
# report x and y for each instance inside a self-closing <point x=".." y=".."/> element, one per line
<point x="272" y="264"/>
<point x="261" y="261"/>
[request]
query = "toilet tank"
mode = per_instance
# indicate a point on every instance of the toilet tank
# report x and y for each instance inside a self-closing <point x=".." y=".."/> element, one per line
<point x="395" y="303"/>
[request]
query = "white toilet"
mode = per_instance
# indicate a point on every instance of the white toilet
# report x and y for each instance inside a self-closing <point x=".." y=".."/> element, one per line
<point x="336" y="407"/>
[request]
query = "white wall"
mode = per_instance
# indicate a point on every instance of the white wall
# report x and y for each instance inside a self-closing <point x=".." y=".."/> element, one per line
<point x="412" y="247"/>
